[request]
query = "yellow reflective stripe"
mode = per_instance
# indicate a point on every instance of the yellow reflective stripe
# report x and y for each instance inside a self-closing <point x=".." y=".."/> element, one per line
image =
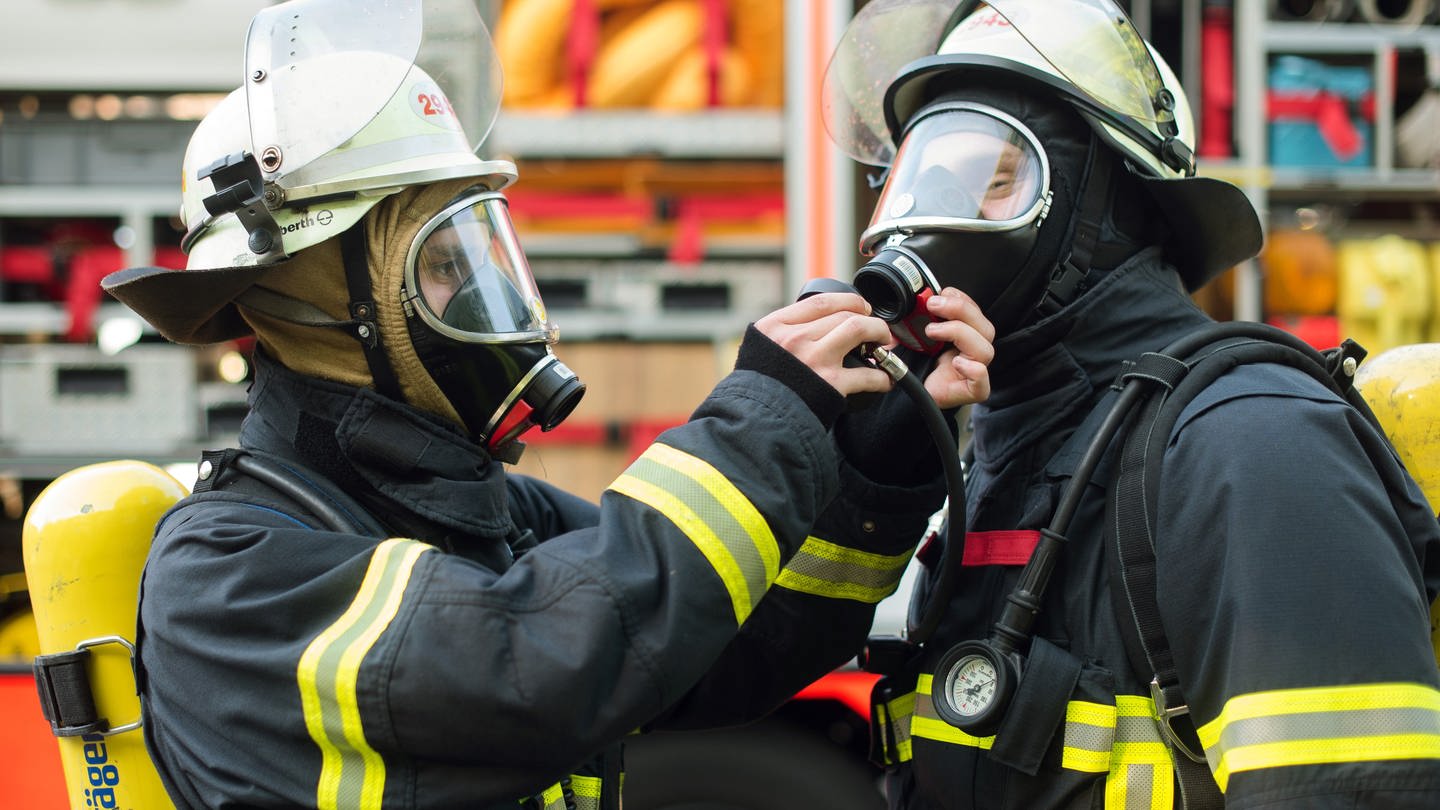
<point x="927" y="724"/>
<point x="825" y="569"/>
<point x="1323" y="725"/>
<point x="756" y="527"/>
<point x="553" y="798"/>
<point x="929" y="728"/>
<point x="352" y="773"/>
<point x="1089" y="737"/>
<point x="587" y="792"/>
<point x="895" y="719"/>
<point x="1120" y="741"/>
<point x="1141" y="772"/>
<point x="722" y="523"/>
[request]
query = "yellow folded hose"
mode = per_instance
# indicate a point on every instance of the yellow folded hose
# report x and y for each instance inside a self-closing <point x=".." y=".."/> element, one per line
<point x="758" y="32"/>
<point x="631" y="68"/>
<point x="1385" y="291"/>
<point x="530" y="42"/>
<point x="687" y="88"/>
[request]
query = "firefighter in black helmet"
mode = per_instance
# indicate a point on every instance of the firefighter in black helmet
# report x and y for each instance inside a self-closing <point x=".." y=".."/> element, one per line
<point x="1037" y="154"/>
<point x="358" y="608"/>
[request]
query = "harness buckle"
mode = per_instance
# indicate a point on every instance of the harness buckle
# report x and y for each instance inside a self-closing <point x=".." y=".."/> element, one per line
<point x="1165" y="715"/>
<point x="886" y="655"/>
<point x="66" y="696"/>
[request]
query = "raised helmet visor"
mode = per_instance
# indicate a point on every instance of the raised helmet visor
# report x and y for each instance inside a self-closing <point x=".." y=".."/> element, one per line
<point x="1088" y="45"/>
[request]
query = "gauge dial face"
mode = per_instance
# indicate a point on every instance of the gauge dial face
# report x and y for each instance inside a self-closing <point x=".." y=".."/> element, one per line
<point x="970" y="686"/>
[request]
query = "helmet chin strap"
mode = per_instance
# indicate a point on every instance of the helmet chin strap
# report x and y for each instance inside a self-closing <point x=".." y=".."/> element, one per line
<point x="1071" y="275"/>
<point x="362" y="310"/>
<point x="361" y="325"/>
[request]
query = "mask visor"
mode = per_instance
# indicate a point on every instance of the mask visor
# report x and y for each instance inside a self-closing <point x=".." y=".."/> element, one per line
<point x="962" y="167"/>
<point x="468" y="280"/>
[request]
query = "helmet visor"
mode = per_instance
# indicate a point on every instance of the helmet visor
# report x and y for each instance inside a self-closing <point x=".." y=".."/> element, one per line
<point x="1096" y="48"/>
<point x="467" y="278"/>
<point x="885" y="36"/>
<point x="318" y="71"/>
<point x="1091" y="44"/>
<point x="962" y="166"/>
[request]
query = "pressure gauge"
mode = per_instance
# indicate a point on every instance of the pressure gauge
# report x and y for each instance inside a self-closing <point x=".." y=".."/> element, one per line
<point x="973" y="685"/>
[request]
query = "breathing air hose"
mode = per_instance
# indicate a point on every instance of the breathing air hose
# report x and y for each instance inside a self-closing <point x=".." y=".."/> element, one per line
<point x="952" y="550"/>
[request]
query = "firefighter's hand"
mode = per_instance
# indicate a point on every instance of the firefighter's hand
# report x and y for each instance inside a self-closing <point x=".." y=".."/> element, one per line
<point x="961" y="375"/>
<point x="821" y="330"/>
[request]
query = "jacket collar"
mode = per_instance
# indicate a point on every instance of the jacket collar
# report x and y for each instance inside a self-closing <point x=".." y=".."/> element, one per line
<point x="1047" y="377"/>
<point x="416" y="473"/>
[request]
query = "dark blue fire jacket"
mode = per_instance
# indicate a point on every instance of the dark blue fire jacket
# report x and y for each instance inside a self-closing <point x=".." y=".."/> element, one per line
<point x="1294" y="593"/>
<point x="499" y="636"/>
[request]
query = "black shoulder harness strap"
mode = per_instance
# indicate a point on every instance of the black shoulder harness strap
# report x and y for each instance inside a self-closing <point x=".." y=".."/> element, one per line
<point x="1159" y="386"/>
<point x="241" y="470"/>
<point x="62" y="679"/>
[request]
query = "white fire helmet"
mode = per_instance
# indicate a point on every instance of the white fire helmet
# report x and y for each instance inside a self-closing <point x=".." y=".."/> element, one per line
<point x="343" y="104"/>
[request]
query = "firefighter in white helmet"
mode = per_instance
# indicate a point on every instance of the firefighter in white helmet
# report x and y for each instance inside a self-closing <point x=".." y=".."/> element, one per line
<point x="358" y="607"/>
<point x="1038" y="155"/>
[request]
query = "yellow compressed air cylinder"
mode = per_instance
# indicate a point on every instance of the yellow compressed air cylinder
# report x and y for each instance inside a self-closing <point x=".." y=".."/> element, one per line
<point x="1402" y="387"/>
<point x="85" y="539"/>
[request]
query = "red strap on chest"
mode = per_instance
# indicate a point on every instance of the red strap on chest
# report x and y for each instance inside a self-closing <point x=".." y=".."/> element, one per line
<point x="1009" y="547"/>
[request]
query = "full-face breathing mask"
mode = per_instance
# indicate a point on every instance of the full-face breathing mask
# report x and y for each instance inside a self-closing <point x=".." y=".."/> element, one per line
<point x="478" y="324"/>
<point x="962" y="207"/>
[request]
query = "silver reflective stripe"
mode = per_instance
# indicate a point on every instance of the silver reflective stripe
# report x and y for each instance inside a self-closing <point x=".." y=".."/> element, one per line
<point x="1323" y="725"/>
<point x="1139" y="788"/>
<point x="1291" y="728"/>
<point x="587" y="792"/>
<point x="825" y="569"/>
<point x="714" y="514"/>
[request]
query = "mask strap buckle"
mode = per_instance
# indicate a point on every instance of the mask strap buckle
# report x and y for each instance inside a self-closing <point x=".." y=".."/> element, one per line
<point x="1070" y="276"/>
<point x="362" y="309"/>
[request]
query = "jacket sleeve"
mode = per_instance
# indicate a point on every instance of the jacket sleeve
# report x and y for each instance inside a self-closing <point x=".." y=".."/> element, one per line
<point x="546" y="509"/>
<point x="595" y="631"/>
<point x="818" y="614"/>
<point x="1294" y="594"/>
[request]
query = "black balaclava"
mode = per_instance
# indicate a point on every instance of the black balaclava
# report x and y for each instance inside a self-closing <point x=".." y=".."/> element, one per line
<point x="1012" y="299"/>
